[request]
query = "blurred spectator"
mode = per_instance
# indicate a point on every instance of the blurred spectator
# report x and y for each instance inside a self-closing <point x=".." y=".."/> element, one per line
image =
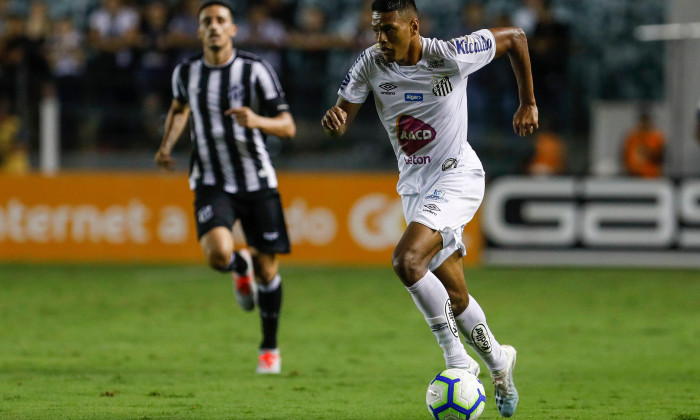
<point x="154" y="68"/>
<point x="113" y="35"/>
<point x="697" y="122"/>
<point x="4" y="12"/>
<point x="501" y="87"/>
<point x="283" y="11"/>
<point x="183" y="30"/>
<point x="644" y="148"/>
<point x="527" y="15"/>
<point x="550" y="152"/>
<point x="13" y="157"/>
<point x="310" y="44"/>
<point x="549" y="54"/>
<point x="66" y="55"/>
<point x="263" y="35"/>
<point x="38" y="24"/>
<point x="25" y="75"/>
<point x="473" y="19"/>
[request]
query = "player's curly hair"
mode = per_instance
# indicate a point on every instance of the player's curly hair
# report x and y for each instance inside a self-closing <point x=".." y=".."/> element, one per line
<point x="384" y="6"/>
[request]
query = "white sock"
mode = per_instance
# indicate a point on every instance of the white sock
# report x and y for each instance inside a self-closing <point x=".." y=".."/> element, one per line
<point x="472" y="324"/>
<point x="431" y="298"/>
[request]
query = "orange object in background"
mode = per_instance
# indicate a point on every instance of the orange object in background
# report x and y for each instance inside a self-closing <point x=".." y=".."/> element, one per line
<point x="644" y="149"/>
<point x="97" y="218"/>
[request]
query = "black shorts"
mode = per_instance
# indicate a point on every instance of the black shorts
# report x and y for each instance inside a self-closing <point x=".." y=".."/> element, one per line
<point x="260" y="212"/>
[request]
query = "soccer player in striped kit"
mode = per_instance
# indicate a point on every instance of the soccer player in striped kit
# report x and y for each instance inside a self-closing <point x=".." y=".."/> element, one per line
<point x="232" y="100"/>
<point x="419" y="87"/>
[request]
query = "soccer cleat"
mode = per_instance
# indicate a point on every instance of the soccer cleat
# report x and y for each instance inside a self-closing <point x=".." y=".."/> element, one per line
<point x="473" y="367"/>
<point x="506" y="394"/>
<point x="269" y="361"/>
<point x="244" y="286"/>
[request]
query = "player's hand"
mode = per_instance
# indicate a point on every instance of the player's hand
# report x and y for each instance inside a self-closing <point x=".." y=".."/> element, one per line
<point x="164" y="160"/>
<point x="526" y="120"/>
<point x="245" y="117"/>
<point x="334" y="119"/>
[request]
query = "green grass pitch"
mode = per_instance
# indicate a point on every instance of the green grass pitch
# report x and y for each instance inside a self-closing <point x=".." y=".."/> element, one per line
<point x="169" y="342"/>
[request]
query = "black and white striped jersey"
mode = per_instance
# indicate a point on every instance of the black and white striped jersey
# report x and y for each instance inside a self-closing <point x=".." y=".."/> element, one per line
<point x="225" y="154"/>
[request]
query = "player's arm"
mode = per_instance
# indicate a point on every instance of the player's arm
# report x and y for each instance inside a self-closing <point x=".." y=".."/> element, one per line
<point x="512" y="40"/>
<point x="175" y="124"/>
<point x="282" y="125"/>
<point x="337" y="119"/>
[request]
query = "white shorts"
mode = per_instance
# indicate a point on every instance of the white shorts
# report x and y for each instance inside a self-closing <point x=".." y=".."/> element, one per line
<point x="447" y="205"/>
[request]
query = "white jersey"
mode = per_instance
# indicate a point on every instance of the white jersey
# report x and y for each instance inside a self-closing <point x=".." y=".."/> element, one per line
<point x="423" y="107"/>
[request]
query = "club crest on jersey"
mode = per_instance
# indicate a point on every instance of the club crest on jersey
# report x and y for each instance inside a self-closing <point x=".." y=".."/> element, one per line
<point x="413" y="134"/>
<point x="442" y="85"/>
<point x="235" y="93"/>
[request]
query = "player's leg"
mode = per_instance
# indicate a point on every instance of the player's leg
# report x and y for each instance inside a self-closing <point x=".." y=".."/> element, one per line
<point x="470" y="318"/>
<point x="471" y="322"/>
<point x="215" y="215"/>
<point x="270" y="303"/>
<point x="418" y="245"/>
<point x="265" y="229"/>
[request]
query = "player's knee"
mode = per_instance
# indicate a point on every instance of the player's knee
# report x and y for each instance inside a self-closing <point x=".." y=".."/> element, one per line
<point x="265" y="267"/>
<point x="218" y="259"/>
<point x="265" y="274"/>
<point x="407" y="266"/>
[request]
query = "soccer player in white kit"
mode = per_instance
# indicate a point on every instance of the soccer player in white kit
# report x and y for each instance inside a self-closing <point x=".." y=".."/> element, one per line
<point x="420" y="92"/>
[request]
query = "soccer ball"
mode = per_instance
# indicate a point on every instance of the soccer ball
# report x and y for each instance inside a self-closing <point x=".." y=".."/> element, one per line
<point x="455" y="394"/>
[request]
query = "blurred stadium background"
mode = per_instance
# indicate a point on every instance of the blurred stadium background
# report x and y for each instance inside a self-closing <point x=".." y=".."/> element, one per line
<point x="83" y="102"/>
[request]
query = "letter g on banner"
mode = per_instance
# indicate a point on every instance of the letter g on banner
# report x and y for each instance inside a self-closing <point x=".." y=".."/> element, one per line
<point x="376" y="222"/>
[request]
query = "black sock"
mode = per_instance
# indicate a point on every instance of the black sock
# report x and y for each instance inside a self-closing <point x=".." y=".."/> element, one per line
<point x="236" y="263"/>
<point x="270" y="303"/>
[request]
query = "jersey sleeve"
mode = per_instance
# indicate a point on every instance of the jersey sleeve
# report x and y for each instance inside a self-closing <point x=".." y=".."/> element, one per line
<point x="470" y="52"/>
<point x="272" y="98"/>
<point x="178" y="85"/>
<point x="355" y="87"/>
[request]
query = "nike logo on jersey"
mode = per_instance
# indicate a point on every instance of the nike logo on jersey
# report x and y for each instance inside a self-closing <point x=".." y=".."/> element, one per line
<point x="413" y="134"/>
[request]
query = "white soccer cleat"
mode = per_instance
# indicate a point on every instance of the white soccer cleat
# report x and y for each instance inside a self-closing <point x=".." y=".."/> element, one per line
<point x="506" y="394"/>
<point x="244" y="286"/>
<point x="473" y="367"/>
<point x="269" y="362"/>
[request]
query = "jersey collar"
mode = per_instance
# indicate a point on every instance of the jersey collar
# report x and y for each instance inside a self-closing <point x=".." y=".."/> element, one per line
<point x="220" y="66"/>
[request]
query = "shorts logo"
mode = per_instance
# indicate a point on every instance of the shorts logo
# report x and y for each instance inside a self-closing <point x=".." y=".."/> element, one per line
<point x="388" y="88"/>
<point x="271" y="236"/>
<point x="413" y="134"/>
<point x="431" y="208"/>
<point x="481" y="338"/>
<point x="413" y="97"/>
<point x="437" y="195"/>
<point x="452" y="324"/>
<point x="205" y="214"/>
<point x="448" y="164"/>
<point x="443" y="86"/>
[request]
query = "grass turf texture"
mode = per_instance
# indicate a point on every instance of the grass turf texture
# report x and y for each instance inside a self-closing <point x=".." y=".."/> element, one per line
<point x="151" y="342"/>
